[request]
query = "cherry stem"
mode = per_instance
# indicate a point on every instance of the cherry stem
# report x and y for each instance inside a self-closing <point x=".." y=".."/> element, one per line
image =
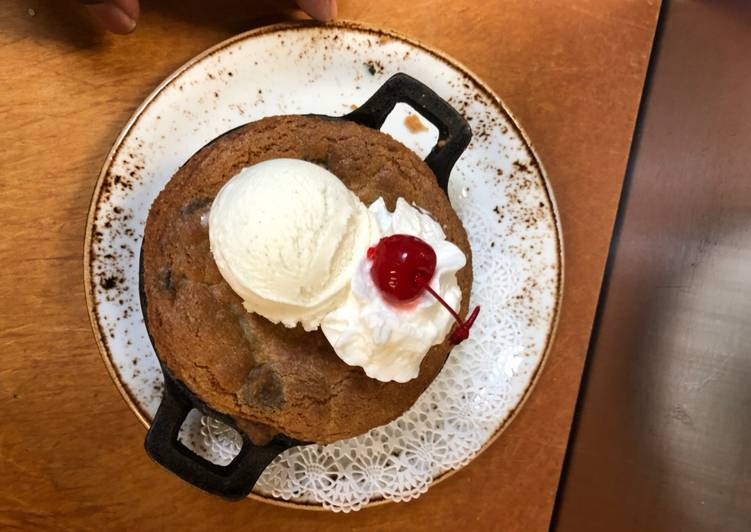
<point x="461" y="333"/>
<point x="433" y="293"/>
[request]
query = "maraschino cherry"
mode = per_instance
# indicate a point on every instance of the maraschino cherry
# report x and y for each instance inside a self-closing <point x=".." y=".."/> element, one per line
<point x="403" y="266"/>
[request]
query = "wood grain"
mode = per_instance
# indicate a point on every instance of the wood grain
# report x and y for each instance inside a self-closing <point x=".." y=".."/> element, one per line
<point x="71" y="453"/>
<point x="663" y="440"/>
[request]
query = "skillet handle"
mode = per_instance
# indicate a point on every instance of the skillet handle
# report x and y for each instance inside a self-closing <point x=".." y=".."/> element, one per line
<point x="233" y="481"/>
<point x="454" y="132"/>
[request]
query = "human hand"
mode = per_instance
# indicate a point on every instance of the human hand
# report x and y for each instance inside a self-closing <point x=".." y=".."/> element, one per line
<point x="121" y="16"/>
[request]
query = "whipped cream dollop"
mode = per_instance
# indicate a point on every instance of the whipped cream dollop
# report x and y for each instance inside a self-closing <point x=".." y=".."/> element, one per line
<point x="291" y="240"/>
<point x="287" y="236"/>
<point x="390" y="341"/>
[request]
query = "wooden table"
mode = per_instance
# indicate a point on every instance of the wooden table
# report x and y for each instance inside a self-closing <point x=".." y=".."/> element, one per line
<point x="662" y="438"/>
<point x="70" y="450"/>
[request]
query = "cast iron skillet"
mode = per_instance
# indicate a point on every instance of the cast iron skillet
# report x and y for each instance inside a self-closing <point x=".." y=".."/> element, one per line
<point x="235" y="480"/>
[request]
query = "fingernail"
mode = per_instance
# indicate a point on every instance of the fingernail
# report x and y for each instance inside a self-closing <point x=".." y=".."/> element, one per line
<point x="332" y="10"/>
<point x="112" y="18"/>
<point x="323" y="10"/>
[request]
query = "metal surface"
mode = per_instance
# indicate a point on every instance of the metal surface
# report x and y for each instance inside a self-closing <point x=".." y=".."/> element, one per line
<point x="663" y="435"/>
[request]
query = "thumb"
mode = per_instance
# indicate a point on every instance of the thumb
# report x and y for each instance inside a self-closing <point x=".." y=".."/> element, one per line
<point x="322" y="10"/>
<point x="117" y="16"/>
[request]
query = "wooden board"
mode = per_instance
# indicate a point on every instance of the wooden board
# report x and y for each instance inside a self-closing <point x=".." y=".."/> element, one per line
<point x="71" y="452"/>
<point x="663" y="440"/>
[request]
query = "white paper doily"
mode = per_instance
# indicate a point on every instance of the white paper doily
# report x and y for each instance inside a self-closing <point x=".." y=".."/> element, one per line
<point x="497" y="188"/>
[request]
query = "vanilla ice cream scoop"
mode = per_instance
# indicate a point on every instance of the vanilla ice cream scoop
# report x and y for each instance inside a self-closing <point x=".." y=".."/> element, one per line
<point x="287" y="235"/>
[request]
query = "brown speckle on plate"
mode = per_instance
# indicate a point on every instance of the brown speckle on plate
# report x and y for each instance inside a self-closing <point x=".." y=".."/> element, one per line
<point x="414" y="124"/>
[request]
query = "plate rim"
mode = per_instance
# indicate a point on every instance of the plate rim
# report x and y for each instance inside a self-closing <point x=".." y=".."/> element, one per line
<point x="341" y="24"/>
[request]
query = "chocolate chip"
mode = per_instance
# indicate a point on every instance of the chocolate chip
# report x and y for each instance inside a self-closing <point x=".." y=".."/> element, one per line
<point x="196" y="204"/>
<point x="263" y="387"/>
<point x="164" y="277"/>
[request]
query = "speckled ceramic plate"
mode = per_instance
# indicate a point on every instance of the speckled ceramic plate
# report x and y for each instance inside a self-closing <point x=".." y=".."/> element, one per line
<point x="498" y="188"/>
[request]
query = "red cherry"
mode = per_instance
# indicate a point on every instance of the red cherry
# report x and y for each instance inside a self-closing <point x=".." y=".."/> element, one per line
<point x="403" y="266"/>
<point x="398" y="261"/>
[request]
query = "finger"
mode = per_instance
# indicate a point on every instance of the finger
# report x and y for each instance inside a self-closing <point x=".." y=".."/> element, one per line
<point x="117" y="16"/>
<point x="323" y="10"/>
